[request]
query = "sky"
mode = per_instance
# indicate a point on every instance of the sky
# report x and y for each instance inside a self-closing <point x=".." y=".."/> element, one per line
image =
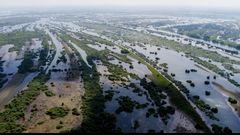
<point x="229" y="4"/>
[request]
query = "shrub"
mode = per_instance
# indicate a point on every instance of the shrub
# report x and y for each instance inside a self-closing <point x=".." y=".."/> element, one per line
<point x="49" y="93"/>
<point x="207" y="93"/>
<point x="75" y="111"/>
<point x="136" y="124"/>
<point x="59" y="126"/>
<point x="56" y="112"/>
<point x="206" y="82"/>
<point x="214" y="110"/>
<point x="124" y="51"/>
<point x="232" y="100"/>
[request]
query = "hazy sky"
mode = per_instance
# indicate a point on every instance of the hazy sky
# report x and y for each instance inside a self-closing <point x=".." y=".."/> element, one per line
<point x="234" y="4"/>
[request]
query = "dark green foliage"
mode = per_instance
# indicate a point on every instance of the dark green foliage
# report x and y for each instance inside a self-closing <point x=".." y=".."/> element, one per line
<point x="2" y="82"/>
<point x="109" y="95"/>
<point x="227" y="130"/>
<point x="214" y="110"/>
<point x="232" y="100"/>
<point x="124" y="51"/>
<point x="154" y="91"/>
<point x="59" y="126"/>
<point x="75" y="111"/>
<point x="27" y="63"/>
<point x="206" y="82"/>
<point x="49" y="93"/>
<point x="125" y="104"/>
<point x="56" y="112"/>
<point x="219" y="129"/>
<point x="207" y="93"/>
<point x="136" y="124"/>
<point x="40" y="123"/>
<point x="44" y="52"/>
<point x="10" y="127"/>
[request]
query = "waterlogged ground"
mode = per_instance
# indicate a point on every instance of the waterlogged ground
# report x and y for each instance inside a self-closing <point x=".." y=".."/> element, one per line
<point x="69" y="93"/>
<point x="12" y="59"/>
<point x="125" y="120"/>
<point x="217" y="98"/>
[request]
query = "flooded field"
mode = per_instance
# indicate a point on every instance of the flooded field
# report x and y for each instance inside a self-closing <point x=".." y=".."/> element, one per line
<point x="87" y="72"/>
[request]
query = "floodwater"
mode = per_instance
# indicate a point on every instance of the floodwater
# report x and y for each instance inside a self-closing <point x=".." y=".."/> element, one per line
<point x="82" y="53"/>
<point x="59" y="49"/>
<point x="177" y="64"/>
<point x="125" y="120"/>
<point x="186" y="37"/>
<point x="17" y="84"/>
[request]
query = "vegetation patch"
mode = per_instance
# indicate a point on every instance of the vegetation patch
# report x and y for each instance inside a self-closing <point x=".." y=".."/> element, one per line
<point x="57" y="112"/>
<point x="16" y="108"/>
<point x="49" y="93"/>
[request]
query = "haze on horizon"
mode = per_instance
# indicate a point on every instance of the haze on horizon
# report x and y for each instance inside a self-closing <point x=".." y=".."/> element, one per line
<point x="222" y="4"/>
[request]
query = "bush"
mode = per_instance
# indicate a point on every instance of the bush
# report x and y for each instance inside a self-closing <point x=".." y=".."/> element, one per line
<point x="40" y="123"/>
<point x="49" y="93"/>
<point x="232" y="100"/>
<point x="75" y="111"/>
<point x="227" y="130"/>
<point x="216" y="128"/>
<point x="214" y="110"/>
<point x="189" y="81"/>
<point x="219" y="129"/>
<point x="124" y="51"/>
<point x="136" y="124"/>
<point x="206" y="82"/>
<point x="125" y="104"/>
<point x="27" y="63"/>
<point x="192" y="84"/>
<point x="59" y="126"/>
<point x="56" y="112"/>
<point x="170" y="110"/>
<point x="109" y="95"/>
<point x="207" y="93"/>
